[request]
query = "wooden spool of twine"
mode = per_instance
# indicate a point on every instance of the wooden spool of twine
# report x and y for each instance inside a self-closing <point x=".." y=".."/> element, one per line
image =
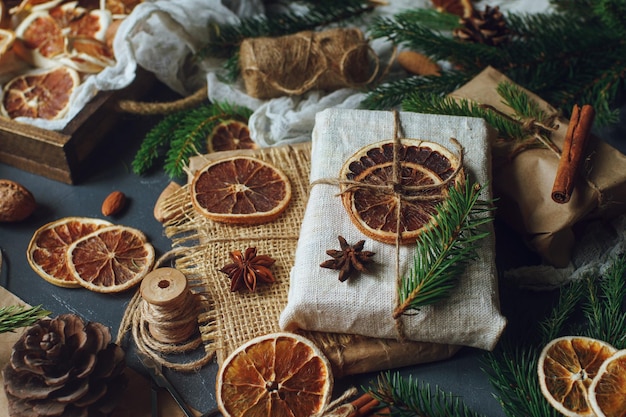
<point x="169" y="308"/>
<point x="295" y="64"/>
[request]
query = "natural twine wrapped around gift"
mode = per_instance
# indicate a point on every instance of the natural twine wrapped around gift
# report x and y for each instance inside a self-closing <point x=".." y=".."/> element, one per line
<point x="204" y="246"/>
<point x="470" y="316"/>
<point x="295" y="64"/>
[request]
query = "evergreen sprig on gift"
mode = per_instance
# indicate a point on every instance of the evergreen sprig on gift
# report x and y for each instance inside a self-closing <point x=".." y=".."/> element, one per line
<point x="512" y="367"/>
<point x="225" y="39"/>
<point x="514" y="133"/>
<point x="410" y="397"/>
<point x="575" y="55"/>
<point x="443" y="250"/>
<point x="183" y="134"/>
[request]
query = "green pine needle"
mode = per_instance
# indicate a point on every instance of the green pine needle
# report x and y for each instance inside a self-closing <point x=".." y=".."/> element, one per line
<point x="15" y="317"/>
<point x="443" y="251"/>
<point x="182" y="135"/>
<point x="408" y="397"/>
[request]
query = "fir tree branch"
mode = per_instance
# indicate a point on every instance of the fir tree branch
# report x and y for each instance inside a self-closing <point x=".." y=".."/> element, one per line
<point x="513" y="374"/>
<point x="154" y="142"/>
<point x="15" y="317"/>
<point x="569" y="298"/>
<point x="409" y="397"/>
<point x="224" y="40"/>
<point x="442" y="251"/>
<point x="604" y="307"/>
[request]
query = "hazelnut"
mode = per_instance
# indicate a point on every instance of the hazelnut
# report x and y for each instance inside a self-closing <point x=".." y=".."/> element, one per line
<point x="16" y="202"/>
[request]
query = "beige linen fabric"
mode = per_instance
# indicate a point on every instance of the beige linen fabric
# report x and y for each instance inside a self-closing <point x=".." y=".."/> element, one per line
<point x="363" y="305"/>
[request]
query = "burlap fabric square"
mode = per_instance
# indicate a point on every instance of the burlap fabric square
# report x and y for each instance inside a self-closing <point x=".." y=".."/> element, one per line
<point x="235" y="317"/>
<point x="318" y="301"/>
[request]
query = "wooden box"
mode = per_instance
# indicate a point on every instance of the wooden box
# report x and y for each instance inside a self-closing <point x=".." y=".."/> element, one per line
<point x="62" y="155"/>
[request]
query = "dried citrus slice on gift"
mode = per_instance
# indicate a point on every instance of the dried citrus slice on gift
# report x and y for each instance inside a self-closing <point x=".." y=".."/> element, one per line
<point x="241" y="190"/>
<point x="41" y="94"/>
<point x="111" y="259"/>
<point x="566" y="368"/>
<point x="378" y="198"/>
<point x="275" y="375"/>
<point x="230" y="135"/>
<point x="47" y="249"/>
<point x="607" y="393"/>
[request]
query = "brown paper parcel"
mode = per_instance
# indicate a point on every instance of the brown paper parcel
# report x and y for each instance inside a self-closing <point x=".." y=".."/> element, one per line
<point x="363" y="305"/>
<point x="204" y="245"/>
<point x="524" y="184"/>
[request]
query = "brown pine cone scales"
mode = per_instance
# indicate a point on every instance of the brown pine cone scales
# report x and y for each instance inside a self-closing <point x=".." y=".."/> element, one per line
<point x="64" y="367"/>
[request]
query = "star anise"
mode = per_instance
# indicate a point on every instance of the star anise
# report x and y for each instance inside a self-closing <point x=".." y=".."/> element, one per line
<point x="247" y="269"/>
<point x="349" y="259"/>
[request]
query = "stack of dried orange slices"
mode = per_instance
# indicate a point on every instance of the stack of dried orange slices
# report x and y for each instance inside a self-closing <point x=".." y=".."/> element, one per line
<point x="583" y="377"/>
<point x="75" y="252"/>
<point x="390" y="187"/>
<point x="240" y="190"/>
<point x="274" y="375"/>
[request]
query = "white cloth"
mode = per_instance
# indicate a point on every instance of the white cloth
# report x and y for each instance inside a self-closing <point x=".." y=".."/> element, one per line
<point x="363" y="305"/>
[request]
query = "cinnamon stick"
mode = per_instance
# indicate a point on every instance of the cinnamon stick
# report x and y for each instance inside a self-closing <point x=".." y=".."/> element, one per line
<point x="573" y="151"/>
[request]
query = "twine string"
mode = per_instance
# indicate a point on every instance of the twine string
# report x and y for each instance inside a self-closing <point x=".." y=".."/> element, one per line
<point x="399" y="192"/>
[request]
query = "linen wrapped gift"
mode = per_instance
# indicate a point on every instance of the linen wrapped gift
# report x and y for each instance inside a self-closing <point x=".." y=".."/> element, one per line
<point x="318" y="301"/>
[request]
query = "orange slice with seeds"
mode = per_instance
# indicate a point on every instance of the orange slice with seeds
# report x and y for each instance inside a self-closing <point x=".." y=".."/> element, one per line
<point x="607" y="393"/>
<point x="275" y="375"/>
<point x="379" y="197"/>
<point x="240" y="190"/>
<point x="44" y="93"/>
<point x="111" y="259"/>
<point x="229" y="136"/>
<point x="47" y="249"/>
<point x="566" y="369"/>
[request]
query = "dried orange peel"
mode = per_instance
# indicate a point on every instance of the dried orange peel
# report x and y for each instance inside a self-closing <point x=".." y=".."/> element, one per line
<point x="275" y="375"/>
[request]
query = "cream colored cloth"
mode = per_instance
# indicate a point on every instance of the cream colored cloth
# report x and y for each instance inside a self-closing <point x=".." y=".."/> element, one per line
<point x="364" y="304"/>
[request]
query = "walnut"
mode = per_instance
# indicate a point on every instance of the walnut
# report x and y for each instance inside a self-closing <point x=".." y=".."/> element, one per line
<point x="16" y="202"/>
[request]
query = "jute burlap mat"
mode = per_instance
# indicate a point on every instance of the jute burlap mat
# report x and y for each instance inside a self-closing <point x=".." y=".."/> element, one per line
<point x="203" y="247"/>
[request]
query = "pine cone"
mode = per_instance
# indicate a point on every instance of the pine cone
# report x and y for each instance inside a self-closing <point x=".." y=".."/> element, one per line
<point x="64" y="367"/>
<point x="488" y="27"/>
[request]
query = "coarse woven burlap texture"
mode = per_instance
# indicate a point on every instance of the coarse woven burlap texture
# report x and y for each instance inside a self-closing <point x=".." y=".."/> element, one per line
<point x="318" y="301"/>
<point x="204" y="247"/>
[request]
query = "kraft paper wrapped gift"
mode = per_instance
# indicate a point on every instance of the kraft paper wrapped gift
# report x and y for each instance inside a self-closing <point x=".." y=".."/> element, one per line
<point x="363" y="305"/>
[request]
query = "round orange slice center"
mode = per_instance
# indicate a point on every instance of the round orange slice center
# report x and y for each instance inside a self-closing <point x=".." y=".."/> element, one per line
<point x="384" y="198"/>
<point x="566" y="368"/>
<point x="240" y="190"/>
<point x="47" y="249"/>
<point x="229" y="136"/>
<point x="275" y="375"/>
<point x="111" y="259"/>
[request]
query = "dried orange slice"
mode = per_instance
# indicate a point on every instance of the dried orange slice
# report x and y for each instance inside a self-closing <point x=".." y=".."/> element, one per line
<point x="240" y="190"/>
<point x="40" y="39"/>
<point x="230" y="135"/>
<point x="87" y="55"/>
<point x="461" y="8"/>
<point x="566" y="368"/>
<point x="374" y="194"/>
<point x="31" y="6"/>
<point x="44" y="93"/>
<point x="111" y="259"/>
<point x="275" y="375"/>
<point x="607" y="393"/>
<point x="47" y="249"/>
